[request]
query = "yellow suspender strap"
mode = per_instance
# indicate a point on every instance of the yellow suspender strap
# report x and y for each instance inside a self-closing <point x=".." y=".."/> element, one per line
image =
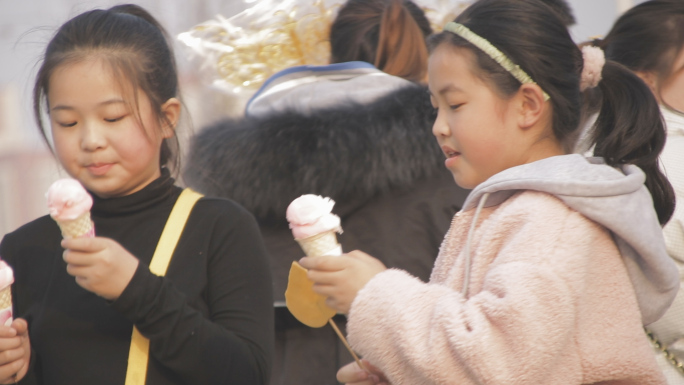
<point x="140" y="346"/>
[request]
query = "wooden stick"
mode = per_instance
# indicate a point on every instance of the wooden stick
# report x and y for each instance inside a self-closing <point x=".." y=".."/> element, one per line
<point x="346" y="344"/>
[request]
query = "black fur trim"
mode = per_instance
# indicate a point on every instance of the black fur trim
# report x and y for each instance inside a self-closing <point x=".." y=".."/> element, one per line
<point x="350" y="152"/>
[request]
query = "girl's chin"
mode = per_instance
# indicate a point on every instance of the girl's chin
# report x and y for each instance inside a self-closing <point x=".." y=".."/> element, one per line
<point x="464" y="184"/>
<point x="464" y="181"/>
<point x="452" y="162"/>
<point x="98" y="188"/>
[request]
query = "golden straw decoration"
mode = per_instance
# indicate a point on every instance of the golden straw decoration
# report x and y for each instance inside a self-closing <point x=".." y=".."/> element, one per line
<point x="238" y="54"/>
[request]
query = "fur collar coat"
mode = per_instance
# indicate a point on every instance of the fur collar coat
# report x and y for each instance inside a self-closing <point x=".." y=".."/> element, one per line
<point x="379" y="161"/>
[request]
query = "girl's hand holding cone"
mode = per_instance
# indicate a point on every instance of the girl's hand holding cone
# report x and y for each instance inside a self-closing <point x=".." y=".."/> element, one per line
<point x="100" y="265"/>
<point x="333" y="278"/>
<point x="341" y="278"/>
<point x="315" y="228"/>
<point x="15" y="351"/>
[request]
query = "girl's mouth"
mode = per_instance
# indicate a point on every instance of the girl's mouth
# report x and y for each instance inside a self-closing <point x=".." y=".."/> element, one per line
<point x="452" y="157"/>
<point x="450" y="152"/>
<point x="99" y="169"/>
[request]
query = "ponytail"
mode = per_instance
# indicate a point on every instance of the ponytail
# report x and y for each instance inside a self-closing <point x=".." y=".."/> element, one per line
<point x="389" y="34"/>
<point x="630" y="129"/>
<point x="401" y="45"/>
<point x="647" y="38"/>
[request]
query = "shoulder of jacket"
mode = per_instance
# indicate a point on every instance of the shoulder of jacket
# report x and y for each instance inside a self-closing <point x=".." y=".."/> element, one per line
<point x="210" y="207"/>
<point x="539" y="207"/>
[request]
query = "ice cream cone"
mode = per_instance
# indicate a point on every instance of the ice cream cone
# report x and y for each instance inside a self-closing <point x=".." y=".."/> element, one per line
<point x="69" y="204"/>
<point x="6" y="280"/>
<point x="79" y="227"/>
<point x="6" y="306"/>
<point x="314" y="227"/>
<point x="6" y="297"/>
<point x="321" y="244"/>
<point x="306" y="305"/>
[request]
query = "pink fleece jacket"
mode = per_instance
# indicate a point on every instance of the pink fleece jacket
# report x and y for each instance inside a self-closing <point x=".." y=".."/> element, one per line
<point x="549" y="302"/>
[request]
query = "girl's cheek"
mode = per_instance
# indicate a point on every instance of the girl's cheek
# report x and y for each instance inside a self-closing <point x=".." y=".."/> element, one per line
<point x="59" y="139"/>
<point x="66" y="144"/>
<point x="454" y="126"/>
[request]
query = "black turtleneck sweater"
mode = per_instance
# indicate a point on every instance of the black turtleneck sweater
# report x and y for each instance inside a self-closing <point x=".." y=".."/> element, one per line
<point x="209" y="320"/>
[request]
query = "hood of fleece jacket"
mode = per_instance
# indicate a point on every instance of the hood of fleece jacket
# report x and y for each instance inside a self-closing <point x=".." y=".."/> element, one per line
<point x="615" y="198"/>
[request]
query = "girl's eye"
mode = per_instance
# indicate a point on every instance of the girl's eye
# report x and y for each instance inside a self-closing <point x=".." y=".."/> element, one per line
<point x="66" y="124"/>
<point x="113" y="120"/>
<point x="455" y="106"/>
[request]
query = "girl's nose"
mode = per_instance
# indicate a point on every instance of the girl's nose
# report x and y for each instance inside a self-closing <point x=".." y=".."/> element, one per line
<point x="92" y="137"/>
<point x="440" y="128"/>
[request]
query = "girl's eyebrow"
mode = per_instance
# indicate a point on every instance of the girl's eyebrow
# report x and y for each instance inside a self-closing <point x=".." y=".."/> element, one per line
<point x="450" y="88"/>
<point x="447" y="88"/>
<point x="106" y="102"/>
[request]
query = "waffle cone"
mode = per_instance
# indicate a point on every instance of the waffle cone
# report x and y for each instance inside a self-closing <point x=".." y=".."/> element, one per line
<point x="79" y="227"/>
<point x="321" y="244"/>
<point x="6" y="306"/>
<point x="6" y="297"/>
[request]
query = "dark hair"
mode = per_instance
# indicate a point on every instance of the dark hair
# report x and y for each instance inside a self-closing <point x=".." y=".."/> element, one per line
<point x="389" y="34"/>
<point x="648" y="37"/>
<point x="563" y="11"/>
<point x="629" y="128"/>
<point x="133" y="44"/>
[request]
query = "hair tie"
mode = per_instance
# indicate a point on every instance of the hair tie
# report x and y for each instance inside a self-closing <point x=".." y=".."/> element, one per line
<point x="594" y="60"/>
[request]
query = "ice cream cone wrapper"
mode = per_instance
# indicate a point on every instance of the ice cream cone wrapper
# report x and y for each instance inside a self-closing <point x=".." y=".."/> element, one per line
<point x="81" y="227"/>
<point x="6" y="306"/>
<point x="307" y="306"/>
<point x="321" y="244"/>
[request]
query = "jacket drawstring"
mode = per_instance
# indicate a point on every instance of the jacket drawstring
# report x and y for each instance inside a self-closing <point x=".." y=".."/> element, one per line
<point x="466" y="278"/>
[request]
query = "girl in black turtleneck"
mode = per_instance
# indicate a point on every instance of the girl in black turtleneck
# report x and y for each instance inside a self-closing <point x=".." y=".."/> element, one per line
<point x="108" y="83"/>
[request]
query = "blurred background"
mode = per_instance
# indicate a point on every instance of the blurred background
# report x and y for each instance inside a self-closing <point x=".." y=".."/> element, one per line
<point x="26" y="164"/>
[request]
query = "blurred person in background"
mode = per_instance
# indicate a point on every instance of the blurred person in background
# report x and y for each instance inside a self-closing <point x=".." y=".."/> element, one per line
<point x="649" y="40"/>
<point x="357" y="131"/>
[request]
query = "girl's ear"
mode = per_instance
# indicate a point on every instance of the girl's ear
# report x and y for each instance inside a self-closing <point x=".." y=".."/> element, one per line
<point x="171" y="111"/>
<point x="532" y="105"/>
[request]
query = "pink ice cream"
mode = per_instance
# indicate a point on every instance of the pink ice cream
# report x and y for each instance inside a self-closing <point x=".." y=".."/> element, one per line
<point x="6" y="275"/>
<point x="68" y="200"/>
<point x="310" y="215"/>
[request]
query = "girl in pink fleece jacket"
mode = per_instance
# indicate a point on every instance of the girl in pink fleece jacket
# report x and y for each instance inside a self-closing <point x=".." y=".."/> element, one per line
<point x="556" y="261"/>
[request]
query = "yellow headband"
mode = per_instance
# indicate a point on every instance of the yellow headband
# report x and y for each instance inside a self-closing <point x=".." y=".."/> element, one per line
<point x="493" y="52"/>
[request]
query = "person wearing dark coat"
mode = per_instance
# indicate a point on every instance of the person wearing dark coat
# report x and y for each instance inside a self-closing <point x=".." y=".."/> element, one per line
<point x="351" y="131"/>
